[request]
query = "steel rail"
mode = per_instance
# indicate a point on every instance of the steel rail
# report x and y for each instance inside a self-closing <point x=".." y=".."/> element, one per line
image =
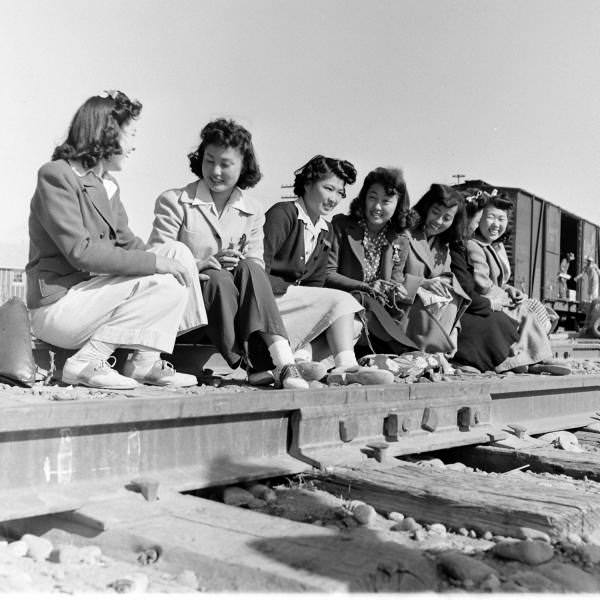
<point x="57" y="456"/>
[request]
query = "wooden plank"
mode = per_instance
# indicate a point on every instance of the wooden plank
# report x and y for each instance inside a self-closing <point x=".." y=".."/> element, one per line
<point x="485" y="502"/>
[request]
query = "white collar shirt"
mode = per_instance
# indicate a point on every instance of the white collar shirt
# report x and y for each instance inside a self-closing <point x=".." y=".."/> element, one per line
<point x="311" y="230"/>
<point x="108" y="181"/>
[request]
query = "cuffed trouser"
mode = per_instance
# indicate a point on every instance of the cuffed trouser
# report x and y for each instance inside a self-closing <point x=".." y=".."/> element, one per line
<point x="133" y="312"/>
<point x="240" y="303"/>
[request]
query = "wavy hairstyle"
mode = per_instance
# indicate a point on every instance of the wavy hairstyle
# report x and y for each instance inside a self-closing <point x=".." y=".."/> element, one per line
<point x="226" y="133"/>
<point x="393" y="183"/>
<point x="96" y="127"/>
<point x="319" y="167"/>
<point x="445" y="196"/>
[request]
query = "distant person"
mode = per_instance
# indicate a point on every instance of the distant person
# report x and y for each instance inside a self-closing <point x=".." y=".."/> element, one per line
<point x="367" y="257"/>
<point x="435" y="299"/>
<point x="92" y="285"/>
<point x="590" y="274"/>
<point x="491" y="271"/>
<point x="564" y="276"/>
<point x="223" y="227"/>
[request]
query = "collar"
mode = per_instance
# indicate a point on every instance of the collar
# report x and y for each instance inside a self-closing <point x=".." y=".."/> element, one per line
<point x="303" y="216"/>
<point x="202" y="197"/>
<point x="480" y="239"/>
<point x="94" y="171"/>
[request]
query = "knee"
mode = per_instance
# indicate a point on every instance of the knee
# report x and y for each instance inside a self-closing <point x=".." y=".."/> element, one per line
<point x="249" y="266"/>
<point x="219" y="279"/>
<point x="180" y="252"/>
<point x="168" y="289"/>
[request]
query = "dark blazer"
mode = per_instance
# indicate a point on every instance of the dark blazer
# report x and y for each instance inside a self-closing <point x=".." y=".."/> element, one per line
<point x="284" y="250"/>
<point x="463" y="271"/>
<point x="76" y="232"/>
<point x="346" y="263"/>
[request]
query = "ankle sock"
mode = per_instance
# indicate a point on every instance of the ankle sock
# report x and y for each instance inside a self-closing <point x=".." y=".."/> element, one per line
<point x="345" y="358"/>
<point x="281" y="353"/>
<point x="142" y="361"/>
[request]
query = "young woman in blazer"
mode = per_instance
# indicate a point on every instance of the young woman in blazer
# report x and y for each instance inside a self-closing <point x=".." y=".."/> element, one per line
<point x="223" y="227"/>
<point x="367" y="257"/>
<point x="92" y="285"/>
<point x="491" y="271"/>
<point x="435" y="297"/>
<point x="297" y="244"/>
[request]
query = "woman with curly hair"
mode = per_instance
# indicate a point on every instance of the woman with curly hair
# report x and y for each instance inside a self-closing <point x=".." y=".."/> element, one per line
<point x="223" y="227"/>
<point x="485" y="337"/>
<point x="436" y="299"/>
<point x="368" y="253"/>
<point x="297" y="243"/>
<point x="92" y="285"/>
<point x="491" y="271"/>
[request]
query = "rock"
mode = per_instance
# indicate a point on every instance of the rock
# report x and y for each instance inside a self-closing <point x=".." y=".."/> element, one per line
<point x="408" y="524"/>
<point x="531" y="552"/>
<point x="67" y="555"/>
<point x="472" y="533"/>
<point x="237" y="496"/>
<point x="137" y="583"/>
<point x="18" y="548"/>
<point x="438" y="529"/>
<point x="569" y="578"/>
<point x="396" y="516"/>
<point x="458" y="466"/>
<point x="365" y="514"/>
<point x="463" y="531"/>
<point x="491" y="583"/>
<point x="188" y="578"/>
<point x="575" y="539"/>
<point x="257" y="503"/>
<point x="531" y="581"/>
<point x="90" y="554"/>
<point x="58" y="573"/>
<point x="488" y="536"/>
<point x="528" y="533"/>
<point x="590" y="553"/>
<point x="332" y="527"/>
<point x="418" y="535"/>
<point x="263" y="492"/>
<point x="464" y="568"/>
<point x="434" y="462"/>
<point x="318" y="522"/>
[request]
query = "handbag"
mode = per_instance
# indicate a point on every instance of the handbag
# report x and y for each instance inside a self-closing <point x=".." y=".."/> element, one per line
<point x="17" y="366"/>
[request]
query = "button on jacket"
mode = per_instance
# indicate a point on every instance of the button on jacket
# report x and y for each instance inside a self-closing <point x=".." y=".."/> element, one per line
<point x="75" y="232"/>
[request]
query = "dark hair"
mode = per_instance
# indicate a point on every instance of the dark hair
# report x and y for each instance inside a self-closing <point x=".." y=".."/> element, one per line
<point x="393" y="182"/>
<point x="95" y="129"/>
<point x="226" y="133"/>
<point x="448" y="197"/>
<point x="319" y="167"/>
<point x="501" y="202"/>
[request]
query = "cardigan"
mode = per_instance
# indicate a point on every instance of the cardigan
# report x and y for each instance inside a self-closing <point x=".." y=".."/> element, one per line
<point x="187" y="215"/>
<point x="346" y="261"/>
<point x="76" y="231"/>
<point x="284" y="250"/>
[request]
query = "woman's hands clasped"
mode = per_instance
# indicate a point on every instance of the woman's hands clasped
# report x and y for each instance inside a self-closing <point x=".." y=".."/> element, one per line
<point x="436" y="285"/>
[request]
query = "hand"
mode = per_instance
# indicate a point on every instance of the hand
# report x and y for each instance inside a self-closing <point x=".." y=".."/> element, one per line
<point x="400" y="293"/>
<point x="208" y="263"/>
<point x="517" y="296"/>
<point x="437" y="286"/>
<point x="229" y="259"/>
<point x="166" y="265"/>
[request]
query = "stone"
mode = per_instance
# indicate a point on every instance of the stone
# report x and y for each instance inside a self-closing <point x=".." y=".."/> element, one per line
<point x="263" y="492"/>
<point x="67" y="555"/>
<point x="570" y="578"/>
<point x="408" y="524"/>
<point x="528" y="533"/>
<point x="491" y="583"/>
<point x="137" y="583"/>
<point x="463" y="531"/>
<point x="472" y="533"/>
<point x="396" y="516"/>
<point x="458" y="466"/>
<point x="438" y="529"/>
<point x="434" y="462"/>
<point x="188" y="578"/>
<point x="237" y="496"/>
<point x="575" y="539"/>
<point x="590" y="553"/>
<point x="90" y="554"/>
<point x="365" y="514"/>
<point x="18" y="548"/>
<point x="532" y="581"/>
<point x="418" y="535"/>
<point x="488" y="536"/>
<point x="464" y="568"/>
<point x="531" y="552"/>
<point x="257" y="503"/>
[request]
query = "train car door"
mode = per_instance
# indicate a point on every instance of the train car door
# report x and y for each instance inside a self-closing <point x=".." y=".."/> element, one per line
<point x="551" y="251"/>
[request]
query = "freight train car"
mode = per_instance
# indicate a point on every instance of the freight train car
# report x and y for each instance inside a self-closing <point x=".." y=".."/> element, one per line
<point x="543" y="233"/>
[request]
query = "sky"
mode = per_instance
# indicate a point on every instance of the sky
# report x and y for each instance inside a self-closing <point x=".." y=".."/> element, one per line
<point x="505" y="91"/>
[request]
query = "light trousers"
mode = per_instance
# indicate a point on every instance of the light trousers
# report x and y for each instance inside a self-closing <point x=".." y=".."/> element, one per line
<point x="145" y="312"/>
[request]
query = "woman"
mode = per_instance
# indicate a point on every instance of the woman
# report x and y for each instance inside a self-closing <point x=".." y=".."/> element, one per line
<point x="223" y="228"/>
<point x="368" y="253"/>
<point x="491" y="271"/>
<point x="485" y="337"/>
<point x="436" y="299"/>
<point x="297" y="243"/>
<point x="92" y="285"/>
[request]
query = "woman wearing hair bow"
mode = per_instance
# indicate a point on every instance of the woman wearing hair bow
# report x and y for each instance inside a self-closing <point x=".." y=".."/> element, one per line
<point x="92" y="285"/>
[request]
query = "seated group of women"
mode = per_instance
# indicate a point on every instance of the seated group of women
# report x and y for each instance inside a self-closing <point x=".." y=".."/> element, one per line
<point x="271" y="290"/>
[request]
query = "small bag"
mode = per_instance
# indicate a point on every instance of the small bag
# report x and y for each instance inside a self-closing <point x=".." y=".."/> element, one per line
<point x="17" y="366"/>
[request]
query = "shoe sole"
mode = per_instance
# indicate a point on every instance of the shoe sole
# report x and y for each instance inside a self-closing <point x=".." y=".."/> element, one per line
<point x="75" y="381"/>
<point x="157" y="384"/>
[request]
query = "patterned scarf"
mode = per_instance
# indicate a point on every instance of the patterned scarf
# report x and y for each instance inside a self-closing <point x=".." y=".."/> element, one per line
<point x="373" y="245"/>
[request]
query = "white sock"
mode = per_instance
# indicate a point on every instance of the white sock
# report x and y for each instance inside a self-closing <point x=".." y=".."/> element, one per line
<point x="303" y="354"/>
<point x="143" y="361"/>
<point x="345" y="358"/>
<point x="281" y="353"/>
<point x="94" y="350"/>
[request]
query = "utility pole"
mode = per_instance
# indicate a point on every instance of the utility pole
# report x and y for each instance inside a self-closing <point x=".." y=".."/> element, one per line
<point x="285" y="194"/>
<point x="458" y="177"/>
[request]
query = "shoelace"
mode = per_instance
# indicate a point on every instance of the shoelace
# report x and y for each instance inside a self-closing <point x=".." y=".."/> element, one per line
<point x="103" y="365"/>
<point x="166" y="366"/>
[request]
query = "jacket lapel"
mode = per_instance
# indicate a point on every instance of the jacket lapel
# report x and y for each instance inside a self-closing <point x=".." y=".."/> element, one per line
<point x="95" y="192"/>
<point x="420" y="246"/>
<point x="388" y="256"/>
<point x="355" y="241"/>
